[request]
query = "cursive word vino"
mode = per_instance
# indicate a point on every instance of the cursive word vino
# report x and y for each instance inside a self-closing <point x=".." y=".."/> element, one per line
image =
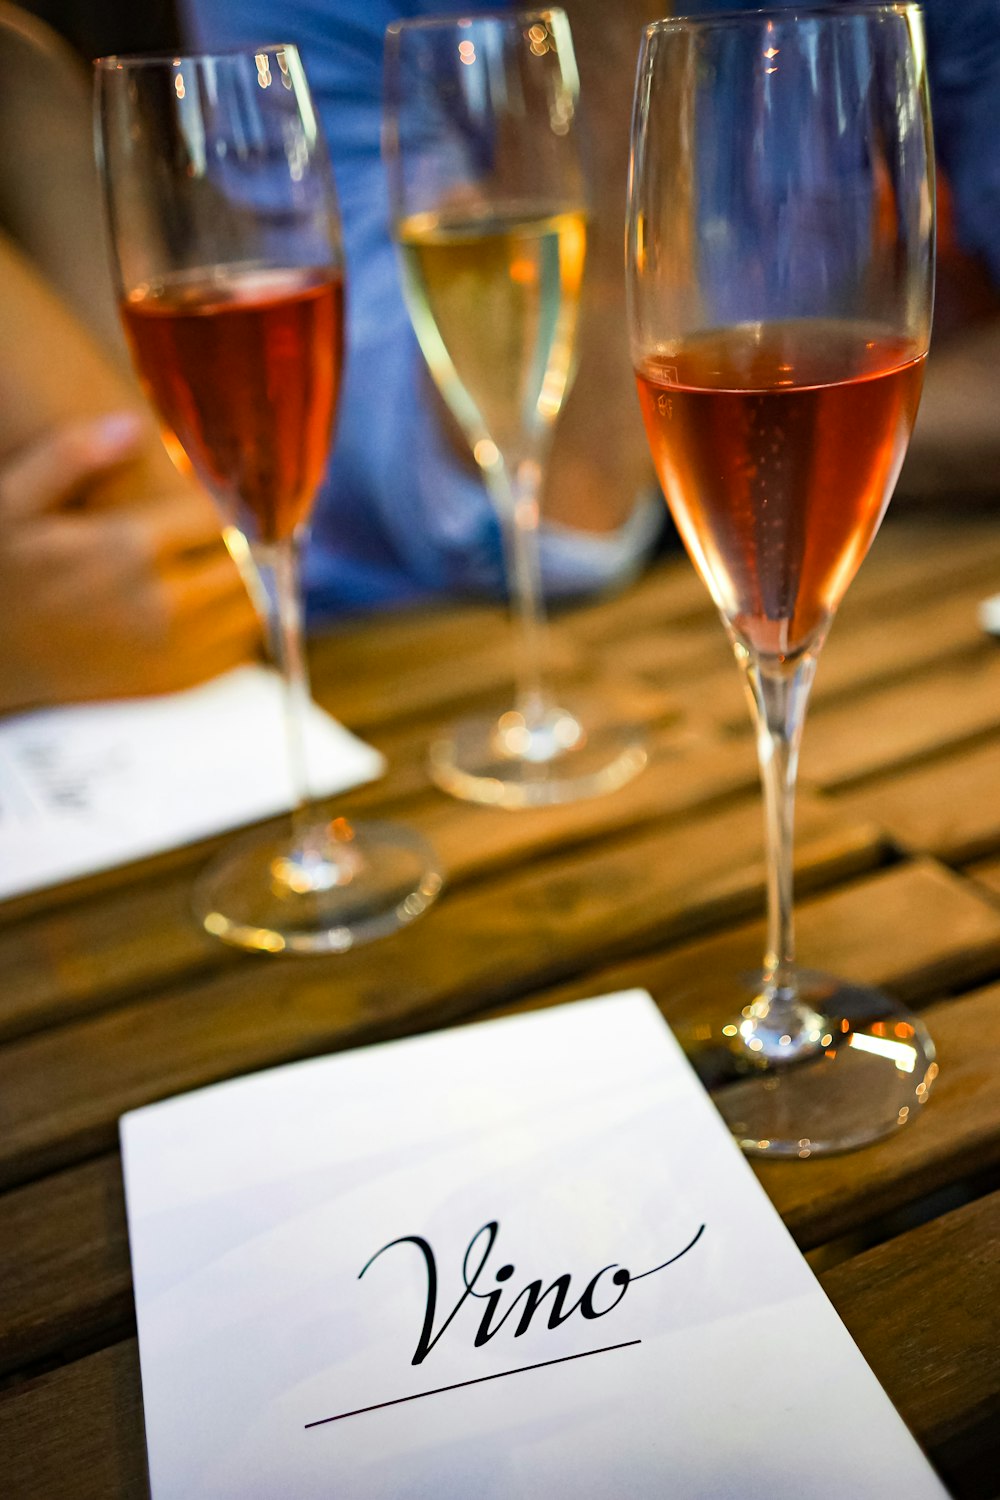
<point x="244" y="369"/>
<point x="777" y="447"/>
<point x="494" y="299"/>
<point x="598" y="1298"/>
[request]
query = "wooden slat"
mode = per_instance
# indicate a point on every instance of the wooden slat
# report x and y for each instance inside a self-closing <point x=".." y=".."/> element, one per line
<point x="933" y="585"/>
<point x="686" y="773"/>
<point x="64" y="1266"/>
<point x="925" y="1313"/>
<point x="907" y="564"/>
<point x="920" y="1307"/>
<point x="61" y="1091"/>
<point x="861" y="652"/>
<point x="926" y="558"/>
<point x="987" y="875"/>
<point x="418" y="680"/>
<point x="690" y="651"/>
<point x="371" y="647"/>
<point x="864" y="649"/>
<point x="910" y="721"/>
<point x="883" y="696"/>
<point x="671" y="592"/>
<point x="84" y="958"/>
<point x="77" y="1434"/>
<point x="872" y="693"/>
<point x="913" y="929"/>
<point x="948" y="807"/>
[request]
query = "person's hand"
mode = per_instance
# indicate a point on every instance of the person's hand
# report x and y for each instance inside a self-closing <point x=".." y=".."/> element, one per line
<point x="102" y="600"/>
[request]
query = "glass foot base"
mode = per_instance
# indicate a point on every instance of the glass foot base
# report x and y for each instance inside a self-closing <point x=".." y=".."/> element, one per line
<point x="871" y="1071"/>
<point x="501" y="761"/>
<point x="265" y="893"/>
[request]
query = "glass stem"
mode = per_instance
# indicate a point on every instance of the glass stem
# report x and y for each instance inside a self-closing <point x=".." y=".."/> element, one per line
<point x="778" y="1025"/>
<point x="281" y="562"/>
<point x="519" y="521"/>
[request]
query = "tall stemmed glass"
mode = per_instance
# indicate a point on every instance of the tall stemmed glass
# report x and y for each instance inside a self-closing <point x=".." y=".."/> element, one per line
<point x="490" y="214"/>
<point x="780" y="255"/>
<point x="226" y="246"/>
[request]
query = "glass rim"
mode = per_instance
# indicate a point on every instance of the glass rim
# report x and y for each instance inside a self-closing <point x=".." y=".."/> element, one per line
<point x="467" y="18"/>
<point x="783" y="15"/>
<point x="114" y="61"/>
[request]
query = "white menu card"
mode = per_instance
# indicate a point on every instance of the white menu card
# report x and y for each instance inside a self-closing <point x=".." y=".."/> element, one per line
<point x="519" y="1259"/>
<point x="89" y="786"/>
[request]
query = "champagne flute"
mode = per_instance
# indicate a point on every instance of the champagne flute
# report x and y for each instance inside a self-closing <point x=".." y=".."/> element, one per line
<point x="780" y="258"/>
<point x="490" y="215"/>
<point x="226" y="247"/>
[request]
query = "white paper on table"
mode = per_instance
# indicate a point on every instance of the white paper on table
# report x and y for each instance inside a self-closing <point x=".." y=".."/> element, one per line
<point x="584" y="1135"/>
<point x="86" y="787"/>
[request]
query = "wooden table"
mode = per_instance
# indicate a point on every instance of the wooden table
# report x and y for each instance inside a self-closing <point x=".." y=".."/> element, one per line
<point x="110" y="997"/>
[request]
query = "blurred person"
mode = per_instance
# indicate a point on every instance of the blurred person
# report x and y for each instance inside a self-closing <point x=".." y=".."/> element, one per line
<point x="595" y="478"/>
<point x="114" y="579"/>
<point x="404" y="514"/>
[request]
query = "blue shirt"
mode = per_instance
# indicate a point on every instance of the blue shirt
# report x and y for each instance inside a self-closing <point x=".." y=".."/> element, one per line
<point x="963" y="57"/>
<point x="963" y="62"/>
<point x="400" y="516"/>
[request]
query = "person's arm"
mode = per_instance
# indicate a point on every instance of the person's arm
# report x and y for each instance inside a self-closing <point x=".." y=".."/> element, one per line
<point x="600" y="465"/>
<point x="49" y="190"/>
<point x="53" y="371"/>
<point x="114" y="579"/>
<point x="62" y="353"/>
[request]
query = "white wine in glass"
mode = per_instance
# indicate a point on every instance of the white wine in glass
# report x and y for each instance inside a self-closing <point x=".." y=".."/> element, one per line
<point x="227" y="251"/>
<point x="780" y="256"/>
<point x="490" y="214"/>
<point x="495" y="297"/>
